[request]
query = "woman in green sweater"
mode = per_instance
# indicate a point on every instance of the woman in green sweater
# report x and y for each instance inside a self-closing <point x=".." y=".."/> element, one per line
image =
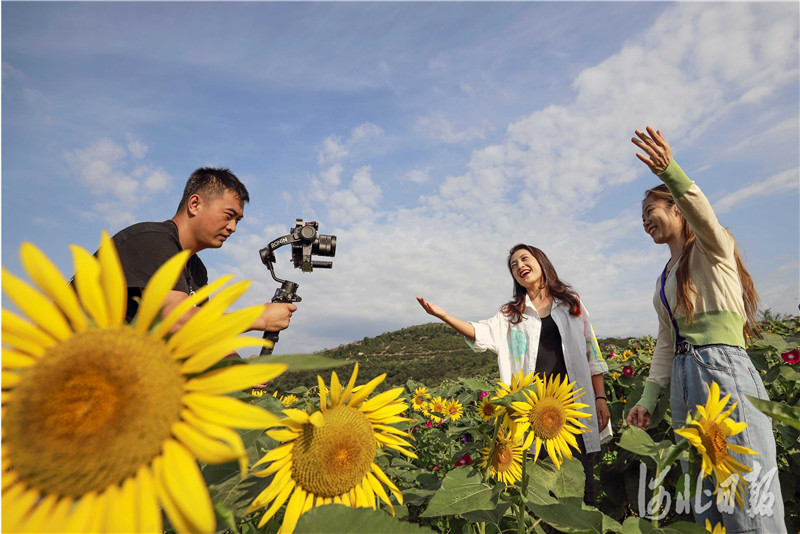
<point x="706" y="304"/>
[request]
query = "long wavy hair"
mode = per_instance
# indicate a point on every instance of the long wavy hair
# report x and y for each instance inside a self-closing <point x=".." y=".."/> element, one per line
<point x="686" y="291"/>
<point x="557" y="288"/>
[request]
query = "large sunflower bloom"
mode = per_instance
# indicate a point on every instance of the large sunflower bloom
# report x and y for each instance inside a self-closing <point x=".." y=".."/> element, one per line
<point x="552" y="414"/>
<point x="487" y="410"/>
<point x="709" y="435"/>
<point x="328" y="456"/>
<point x="103" y="421"/>
<point x="453" y="409"/>
<point x="519" y="380"/>
<point x="506" y="460"/>
<point x="419" y="401"/>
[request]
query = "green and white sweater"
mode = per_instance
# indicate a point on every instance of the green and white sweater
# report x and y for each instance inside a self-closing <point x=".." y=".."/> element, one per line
<point x="719" y="314"/>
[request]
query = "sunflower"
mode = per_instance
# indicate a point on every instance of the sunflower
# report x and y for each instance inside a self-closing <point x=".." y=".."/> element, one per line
<point x="436" y="408"/>
<point x="717" y="529"/>
<point x="328" y="456"/>
<point x="519" y="381"/>
<point x="103" y="421"/>
<point x="487" y="410"/>
<point x="506" y="461"/>
<point x="419" y="401"/>
<point x="453" y="409"/>
<point x="288" y="400"/>
<point x="552" y="415"/>
<point x="709" y="434"/>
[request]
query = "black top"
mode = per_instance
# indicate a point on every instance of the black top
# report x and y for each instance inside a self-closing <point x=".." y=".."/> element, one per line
<point x="550" y="358"/>
<point x="146" y="246"/>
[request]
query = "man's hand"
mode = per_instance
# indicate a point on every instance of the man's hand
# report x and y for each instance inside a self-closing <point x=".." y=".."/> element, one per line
<point x="275" y="317"/>
<point x="656" y="147"/>
<point x="639" y="416"/>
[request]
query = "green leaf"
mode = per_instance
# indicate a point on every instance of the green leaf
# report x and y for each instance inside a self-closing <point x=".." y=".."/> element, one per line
<point x="639" y="442"/>
<point x="543" y="478"/>
<point x="462" y="491"/>
<point x="488" y="516"/>
<point x="637" y="525"/>
<point x="568" y="518"/>
<point x="340" y="519"/>
<point x="788" y="415"/>
<point x="302" y="362"/>
<point x="770" y="340"/>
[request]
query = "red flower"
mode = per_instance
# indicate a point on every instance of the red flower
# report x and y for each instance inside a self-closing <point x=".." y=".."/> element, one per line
<point x="793" y="356"/>
<point x="483" y="394"/>
<point x="627" y="370"/>
<point x="464" y="460"/>
<point x="430" y="424"/>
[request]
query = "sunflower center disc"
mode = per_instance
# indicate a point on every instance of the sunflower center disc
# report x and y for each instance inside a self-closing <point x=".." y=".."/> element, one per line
<point x="503" y="457"/>
<point x="333" y="459"/>
<point x="92" y="411"/>
<point x="547" y="418"/>
<point x="715" y="443"/>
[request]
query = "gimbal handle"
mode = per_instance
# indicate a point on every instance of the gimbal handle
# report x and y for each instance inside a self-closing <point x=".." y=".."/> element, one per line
<point x="286" y="293"/>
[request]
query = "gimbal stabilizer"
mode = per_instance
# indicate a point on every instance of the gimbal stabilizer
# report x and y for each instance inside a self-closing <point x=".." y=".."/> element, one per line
<point x="305" y="241"/>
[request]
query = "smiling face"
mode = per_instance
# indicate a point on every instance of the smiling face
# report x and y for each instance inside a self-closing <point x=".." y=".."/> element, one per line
<point x="661" y="221"/>
<point x="526" y="269"/>
<point x="215" y="218"/>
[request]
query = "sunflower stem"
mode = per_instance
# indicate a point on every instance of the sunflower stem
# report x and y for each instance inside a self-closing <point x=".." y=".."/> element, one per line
<point x="491" y="449"/>
<point x="523" y="488"/>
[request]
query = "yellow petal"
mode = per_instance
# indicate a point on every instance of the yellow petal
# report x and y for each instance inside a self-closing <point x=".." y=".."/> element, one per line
<point x="282" y="435"/>
<point x="16" y="360"/>
<point x="366" y="390"/>
<point x="188" y="303"/>
<point x="181" y="479"/>
<point x="159" y="286"/>
<point x="204" y="448"/>
<point x="15" y="325"/>
<point x="230" y="324"/>
<point x="120" y="508"/>
<point x="336" y="389"/>
<point x="273" y="490"/>
<point x="228" y="411"/>
<point x="176" y="517"/>
<point x="60" y="515"/>
<point x="317" y="419"/>
<point x="112" y="279"/>
<point x="221" y="433"/>
<point x="9" y="379"/>
<point x="323" y="396"/>
<point x="378" y="489"/>
<point x="35" y="306"/>
<point x="235" y="377"/>
<point x="46" y="275"/>
<point x="380" y="400"/>
<point x="348" y="391"/>
<point x="87" y="282"/>
<point x="210" y="312"/>
<point x="83" y="515"/>
<point x="39" y="519"/>
<point x="277" y="503"/>
<point x="293" y="510"/>
<point x="147" y="509"/>
<point x="211" y="354"/>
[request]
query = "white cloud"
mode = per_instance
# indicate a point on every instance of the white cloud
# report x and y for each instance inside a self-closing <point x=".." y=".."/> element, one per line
<point x="332" y="150"/>
<point x="776" y="184"/>
<point x="103" y="169"/>
<point x="365" y="131"/>
<point x="438" y="126"/>
<point x="419" y="176"/>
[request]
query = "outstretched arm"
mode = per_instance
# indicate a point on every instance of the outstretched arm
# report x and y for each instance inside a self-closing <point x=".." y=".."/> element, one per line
<point x="462" y="327"/>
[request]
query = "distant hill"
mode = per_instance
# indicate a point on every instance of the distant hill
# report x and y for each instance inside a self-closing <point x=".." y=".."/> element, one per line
<point x="428" y="353"/>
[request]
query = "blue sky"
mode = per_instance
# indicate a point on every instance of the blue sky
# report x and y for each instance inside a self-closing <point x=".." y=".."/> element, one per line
<point x="429" y="137"/>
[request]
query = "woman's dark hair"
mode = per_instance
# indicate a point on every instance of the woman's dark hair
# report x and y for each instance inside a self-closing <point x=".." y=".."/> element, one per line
<point x="555" y="286"/>
<point x="686" y="292"/>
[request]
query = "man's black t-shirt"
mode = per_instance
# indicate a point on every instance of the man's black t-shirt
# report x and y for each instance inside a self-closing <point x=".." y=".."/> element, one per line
<point x="146" y="246"/>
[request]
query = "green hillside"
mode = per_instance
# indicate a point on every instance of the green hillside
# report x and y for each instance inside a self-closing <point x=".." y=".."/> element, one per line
<point x="428" y="353"/>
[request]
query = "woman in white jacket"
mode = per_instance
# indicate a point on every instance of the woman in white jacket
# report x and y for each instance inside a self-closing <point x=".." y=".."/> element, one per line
<point x="544" y="329"/>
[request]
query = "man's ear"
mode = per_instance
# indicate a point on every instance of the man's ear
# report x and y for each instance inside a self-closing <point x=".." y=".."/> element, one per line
<point x="193" y="204"/>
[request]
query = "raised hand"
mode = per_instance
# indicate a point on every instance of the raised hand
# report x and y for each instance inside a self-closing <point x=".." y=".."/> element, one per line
<point x="656" y="148"/>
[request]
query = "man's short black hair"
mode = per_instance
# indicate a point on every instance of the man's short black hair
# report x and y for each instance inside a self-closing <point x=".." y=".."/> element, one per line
<point x="211" y="182"/>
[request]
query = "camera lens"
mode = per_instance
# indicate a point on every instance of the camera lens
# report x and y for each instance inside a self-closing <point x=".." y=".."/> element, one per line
<point x="325" y="245"/>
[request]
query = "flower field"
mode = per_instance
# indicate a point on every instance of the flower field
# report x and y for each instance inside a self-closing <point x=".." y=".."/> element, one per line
<point x="116" y="427"/>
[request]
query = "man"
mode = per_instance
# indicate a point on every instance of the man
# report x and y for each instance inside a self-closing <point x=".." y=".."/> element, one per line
<point x="211" y="207"/>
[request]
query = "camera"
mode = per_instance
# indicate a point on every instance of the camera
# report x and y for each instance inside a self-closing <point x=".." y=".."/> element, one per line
<point x="308" y="241"/>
